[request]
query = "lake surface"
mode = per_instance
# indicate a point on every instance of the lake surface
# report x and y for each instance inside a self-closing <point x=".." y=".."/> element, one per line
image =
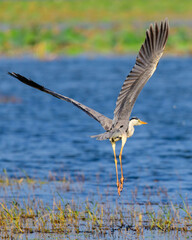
<point x="40" y="134"/>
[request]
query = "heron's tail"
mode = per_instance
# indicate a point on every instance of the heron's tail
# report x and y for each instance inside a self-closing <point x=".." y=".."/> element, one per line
<point x="102" y="136"/>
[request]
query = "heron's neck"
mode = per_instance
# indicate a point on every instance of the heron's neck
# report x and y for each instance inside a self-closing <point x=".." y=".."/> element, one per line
<point x="131" y="129"/>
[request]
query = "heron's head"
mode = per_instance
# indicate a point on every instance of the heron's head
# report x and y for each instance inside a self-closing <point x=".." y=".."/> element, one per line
<point x="136" y="121"/>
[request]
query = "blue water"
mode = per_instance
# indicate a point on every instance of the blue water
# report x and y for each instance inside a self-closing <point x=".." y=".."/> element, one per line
<point x="40" y="134"/>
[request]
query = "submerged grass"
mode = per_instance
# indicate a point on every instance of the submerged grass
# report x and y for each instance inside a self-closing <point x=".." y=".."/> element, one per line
<point x="89" y="218"/>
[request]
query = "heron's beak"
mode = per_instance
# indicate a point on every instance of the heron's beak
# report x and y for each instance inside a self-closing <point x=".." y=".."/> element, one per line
<point x="141" y="122"/>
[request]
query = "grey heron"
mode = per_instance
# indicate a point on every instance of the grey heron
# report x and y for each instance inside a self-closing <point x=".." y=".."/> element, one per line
<point x="120" y="127"/>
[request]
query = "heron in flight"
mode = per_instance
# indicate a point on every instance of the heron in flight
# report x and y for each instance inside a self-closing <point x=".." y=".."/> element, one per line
<point x="120" y="127"/>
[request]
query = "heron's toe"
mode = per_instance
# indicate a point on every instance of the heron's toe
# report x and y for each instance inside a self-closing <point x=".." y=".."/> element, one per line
<point x="122" y="180"/>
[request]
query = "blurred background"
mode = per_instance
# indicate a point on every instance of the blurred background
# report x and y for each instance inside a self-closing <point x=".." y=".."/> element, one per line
<point x="71" y="27"/>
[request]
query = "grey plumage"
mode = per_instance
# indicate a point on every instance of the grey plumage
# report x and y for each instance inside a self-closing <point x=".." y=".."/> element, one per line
<point x="105" y="122"/>
<point x="145" y="65"/>
<point x="121" y="128"/>
<point x="146" y="62"/>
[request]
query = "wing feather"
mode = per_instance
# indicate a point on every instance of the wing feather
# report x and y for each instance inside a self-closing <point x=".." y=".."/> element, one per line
<point x="145" y="65"/>
<point x="104" y="121"/>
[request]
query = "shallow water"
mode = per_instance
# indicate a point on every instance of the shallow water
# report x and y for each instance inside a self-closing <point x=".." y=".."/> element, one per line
<point x="40" y="134"/>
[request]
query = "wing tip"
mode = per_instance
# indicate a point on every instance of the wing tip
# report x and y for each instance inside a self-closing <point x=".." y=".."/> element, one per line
<point x="13" y="74"/>
<point x="26" y="81"/>
<point x="162" y="26"/>
<point x="18" y="76"/>
<point x="156" y="37"/>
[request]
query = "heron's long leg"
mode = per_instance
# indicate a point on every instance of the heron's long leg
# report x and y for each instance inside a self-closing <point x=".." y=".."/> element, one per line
<point x="118" y="185"/>
<point x="123" y="139"/>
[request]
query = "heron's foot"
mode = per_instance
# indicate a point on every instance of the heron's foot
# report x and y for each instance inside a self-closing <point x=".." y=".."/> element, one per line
<point x="122" y="180"/>
<point x="118" y="188"/>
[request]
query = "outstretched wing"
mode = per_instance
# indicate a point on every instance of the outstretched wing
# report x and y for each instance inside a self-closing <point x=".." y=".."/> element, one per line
<point x="104" y="121"/>
<point x="146" y="63"/>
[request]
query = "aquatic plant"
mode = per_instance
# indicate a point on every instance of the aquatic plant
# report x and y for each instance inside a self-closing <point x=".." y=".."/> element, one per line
<point x="88" y="218"/>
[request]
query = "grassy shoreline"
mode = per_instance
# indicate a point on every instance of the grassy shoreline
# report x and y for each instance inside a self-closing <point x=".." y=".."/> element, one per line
<point x="75" y="41"/>
<point x="88" y="218"/>
<point x="74" y="28"/>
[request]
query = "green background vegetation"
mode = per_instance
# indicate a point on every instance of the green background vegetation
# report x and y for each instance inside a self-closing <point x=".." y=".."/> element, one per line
<point x="75" y="27"/>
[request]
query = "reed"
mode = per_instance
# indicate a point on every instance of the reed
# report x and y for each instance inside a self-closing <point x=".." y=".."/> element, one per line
<point x="89" y="218"/>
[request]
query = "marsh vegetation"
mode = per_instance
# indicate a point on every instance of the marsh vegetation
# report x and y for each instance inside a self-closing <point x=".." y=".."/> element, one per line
<point x="89" y="27"/>
<point x="91" y="218"/>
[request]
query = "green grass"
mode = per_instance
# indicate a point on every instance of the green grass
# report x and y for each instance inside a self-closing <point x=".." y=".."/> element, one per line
<point x="94" y="218"/>
<point x="75" y="27"/>
<point x="35" y="12"/>
<point x="72" y="41"/>
<point x="74" y="218"/>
